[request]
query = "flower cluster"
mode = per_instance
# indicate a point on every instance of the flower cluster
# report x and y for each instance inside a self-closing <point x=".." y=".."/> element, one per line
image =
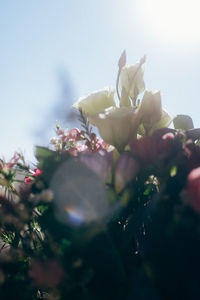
<point x="30" y="179"/>
<point x="119" y="125"/>
<point x="75" y="141"/>
<point x="106" y="218"/>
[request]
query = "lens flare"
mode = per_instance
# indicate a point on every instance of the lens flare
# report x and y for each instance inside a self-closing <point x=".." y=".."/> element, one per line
<point x="79" y="194"/>
<point x="75" y="217"/>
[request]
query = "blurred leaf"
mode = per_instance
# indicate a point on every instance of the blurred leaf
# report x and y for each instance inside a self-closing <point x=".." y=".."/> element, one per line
<point x="183" y="122"/>
<point x="49" y="161"/>
<point x="173" y="171"/>
<point x="193" y="134"/>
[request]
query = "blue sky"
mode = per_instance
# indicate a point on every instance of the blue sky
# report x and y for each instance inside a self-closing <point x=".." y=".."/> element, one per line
<point x="41" y="39"/>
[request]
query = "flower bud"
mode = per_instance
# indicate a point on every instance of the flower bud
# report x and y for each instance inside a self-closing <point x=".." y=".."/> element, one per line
<point x="131" y="79"/>
<point x="151" y="108"/>
<point x="126" y="170"/>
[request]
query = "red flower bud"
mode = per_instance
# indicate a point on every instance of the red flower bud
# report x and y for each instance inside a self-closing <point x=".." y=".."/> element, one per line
<point x="28" y="180"/>
<point x="37" y="172"/>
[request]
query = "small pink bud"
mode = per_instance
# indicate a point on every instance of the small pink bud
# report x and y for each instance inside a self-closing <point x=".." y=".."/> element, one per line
<point x="168" y="135"/>
<point x="60" y="132"/>
<point x="37" y="172"/>
<point x="74" y="133"/>
<point x="28" y="180"/>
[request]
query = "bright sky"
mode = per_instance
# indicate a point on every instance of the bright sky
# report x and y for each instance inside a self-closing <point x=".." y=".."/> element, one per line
<point x="39" y="39"/>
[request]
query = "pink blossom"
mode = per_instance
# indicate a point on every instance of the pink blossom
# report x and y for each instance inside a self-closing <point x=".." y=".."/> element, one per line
<point x="168" y="135"/>
<point x="14" y="160"/>
<point x="126" y="170"/>
<point x="65" y="138"/>
<point x="150" y="148"/>
<point x="28" y="179"/>
<point x="74" y="133"/>
<point x="37" y="172"/>
<point x="81" y="148"/>
<point x="60" y="132"/>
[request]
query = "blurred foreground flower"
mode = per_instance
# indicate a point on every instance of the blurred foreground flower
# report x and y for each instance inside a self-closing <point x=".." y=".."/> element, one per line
<point x="193" y="189"/>
<point x="151" y="148"/>
<point x="99" y="162"/>
<point x="126" y="170"/>
<point x="46" y="274"/>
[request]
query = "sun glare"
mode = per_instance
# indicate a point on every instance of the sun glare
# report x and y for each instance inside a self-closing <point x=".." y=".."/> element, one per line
<point x="172" y="20"/>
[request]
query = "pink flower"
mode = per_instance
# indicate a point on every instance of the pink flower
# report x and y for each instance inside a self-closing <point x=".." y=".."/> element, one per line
<point x="60" y="132"/>
<point x="81" y="148"/>
<point x="193" y="189"/>
<point x="168" y="135"/>
<point x="126" y="170"/>
<point x="37" y="172"/>
<point x="150" y="148"/>
<point x="74" y="133"/>
<point x="14" y="160"/>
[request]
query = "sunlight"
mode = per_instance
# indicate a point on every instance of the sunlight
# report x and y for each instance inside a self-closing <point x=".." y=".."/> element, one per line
<point x="172" y="20"/>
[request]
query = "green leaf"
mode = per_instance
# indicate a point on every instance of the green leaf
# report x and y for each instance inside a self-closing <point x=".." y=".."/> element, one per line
<point x="183" y="122"/>
<point x="173" y="171"/>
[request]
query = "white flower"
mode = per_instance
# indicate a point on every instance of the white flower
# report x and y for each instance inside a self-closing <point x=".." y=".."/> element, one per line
<point x="151" y="108"/>
<point x="164" y="122"/>
<point x="96" y="102"/>
<point x="117" y="126"/>
<point x="131" y="79"/>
